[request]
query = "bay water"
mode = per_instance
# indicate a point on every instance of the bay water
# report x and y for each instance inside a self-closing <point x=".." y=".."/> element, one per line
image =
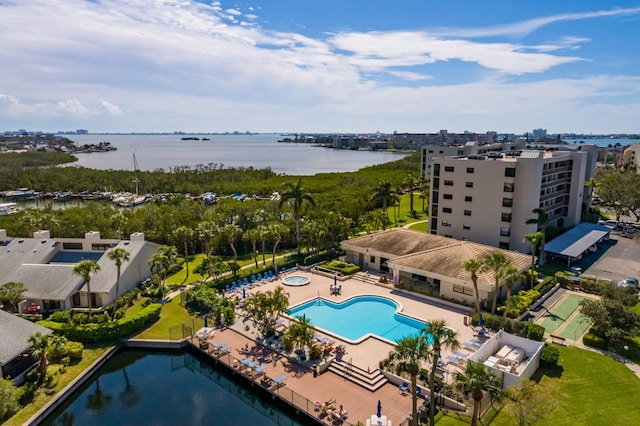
<point x="259" y="151"/>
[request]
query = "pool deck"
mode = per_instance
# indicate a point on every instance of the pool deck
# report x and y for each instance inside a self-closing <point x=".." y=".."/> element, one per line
<point x="360" y="402"/>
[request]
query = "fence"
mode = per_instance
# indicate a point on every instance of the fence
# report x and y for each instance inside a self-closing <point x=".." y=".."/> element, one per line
<point x="281" y="391"/>
<point x="180" y="332"/>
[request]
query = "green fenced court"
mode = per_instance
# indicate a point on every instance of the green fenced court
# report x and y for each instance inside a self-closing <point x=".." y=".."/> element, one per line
<point x="554" y="319"/>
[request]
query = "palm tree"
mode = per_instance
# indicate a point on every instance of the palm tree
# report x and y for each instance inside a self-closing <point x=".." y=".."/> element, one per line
<point x="41" y="344"/>
<point x="407" y="357"/>
<point x="161" y="261"/>
<point x="592" y="184"/>
<point x="85" y="269"/>
<point x="542" y="220"/>
<point x="253" y="235"/>
<point x="276" y="230"/>
<point x="385" y="194"/>
<point x="206" y="231"/>
<point x="473" y="266"/>
<point x="296" y="193"/>
<point x="231" y="232"/>
<point x="475" y="380"/>
<point x="494" y="262"/>
<point x="535" y="240"/>
<point x="300" y="334"/>
<point x="411" y="182"/>
<point x="264" y="308"/>
<point x="510" y="274"/>
<point x="185" y="234"/>
<point x="118" y="255"/>
<point x="443" y="338"/>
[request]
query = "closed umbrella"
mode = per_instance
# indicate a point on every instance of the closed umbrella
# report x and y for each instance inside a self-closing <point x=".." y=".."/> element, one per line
<point x="379" y="413"/>
<point x="206" y="321"/>
<point x="275" y="267"/>
<point x="335" y="280"/>
<point x="244" y="292"/>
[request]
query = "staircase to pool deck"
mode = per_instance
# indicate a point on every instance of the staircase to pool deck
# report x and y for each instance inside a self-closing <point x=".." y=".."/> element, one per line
<point x="370" y="380"/>
<point x="371" y="278"/>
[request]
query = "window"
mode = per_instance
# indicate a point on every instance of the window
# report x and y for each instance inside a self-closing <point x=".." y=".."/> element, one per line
<point x="446" y="224"/>
<point x="431" y="152"/>
<point x="447" y="210"/>
<point x="448" y="196"/>
<point x="469" y="184"/>
<point x="506" y="217"/>
<point x="76" y="299"/>
<point x="510" y="172"/>
<point x="372" y="259"/>
<point x="100" y="246"/>
<point x="508" y="187"/>
<point x="469" y="169"/>
<point x="468" y="198"/>
<point x="449" y="168"/>
<point x="468" y="291"/>
<point x="504" y="246"/>
<point x="448" y="183"/>
<point x="466" y="227"/>
<point x="71" y="246"/>
<point x="467" y="212"/>
<point x="507" y="202"/>
<point x="505" y="232"/>
<point x="435" y="197"/>
<point x="436" y="170"/>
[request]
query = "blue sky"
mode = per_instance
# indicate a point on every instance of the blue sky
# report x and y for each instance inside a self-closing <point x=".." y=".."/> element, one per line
<point x="320" y="65"/>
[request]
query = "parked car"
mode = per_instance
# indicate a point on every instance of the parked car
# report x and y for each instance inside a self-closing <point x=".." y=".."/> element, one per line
<point x="628" y="282"/>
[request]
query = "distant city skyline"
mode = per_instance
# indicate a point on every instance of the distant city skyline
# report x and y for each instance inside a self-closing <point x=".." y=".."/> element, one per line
<point x="320" y="66"/>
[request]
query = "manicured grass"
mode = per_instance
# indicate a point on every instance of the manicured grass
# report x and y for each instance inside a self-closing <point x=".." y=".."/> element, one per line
<point x="576" y="327"/>
<point x="138" y="306"/>
<point x="589" y="388"/>
<point x="420" y="226"/>
<point x="636" y="308"/>
<point x="172" y="314"/>
<point x="45" y="394"/>
<point x="180" y="278"/>
<point x="404" y="217"/>
<point x="560" y="313"/>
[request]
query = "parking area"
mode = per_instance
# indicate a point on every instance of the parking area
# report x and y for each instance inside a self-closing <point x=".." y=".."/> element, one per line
<point x="620" y="259"/>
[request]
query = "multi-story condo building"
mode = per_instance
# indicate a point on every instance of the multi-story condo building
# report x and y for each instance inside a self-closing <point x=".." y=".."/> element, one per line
<point x="443" y="137"/>
<point x="487" y="198"/>
<point x="631" y="157"/>
<point x="429" y="152"/>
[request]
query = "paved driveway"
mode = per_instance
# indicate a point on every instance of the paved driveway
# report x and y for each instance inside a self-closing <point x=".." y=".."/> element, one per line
<point x="620" y="260"/>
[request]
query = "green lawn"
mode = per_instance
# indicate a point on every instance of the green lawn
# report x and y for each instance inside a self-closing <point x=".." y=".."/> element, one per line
<point x="45" y="394"/>
<point x="172" y="314"/>
<point x="403" y="216"/>
<point x="636" y="308"/>
<point x="589" y="389"/>
<point x="420" y="226"/>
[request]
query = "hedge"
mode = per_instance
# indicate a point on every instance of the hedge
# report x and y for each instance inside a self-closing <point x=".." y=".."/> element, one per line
<point x="107" y="331"/>
<point x="594" y="341"/>
<point x="343" y="268"/>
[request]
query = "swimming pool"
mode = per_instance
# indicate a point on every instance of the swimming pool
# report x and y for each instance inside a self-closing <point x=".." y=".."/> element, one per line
<point x="358" y="317"/>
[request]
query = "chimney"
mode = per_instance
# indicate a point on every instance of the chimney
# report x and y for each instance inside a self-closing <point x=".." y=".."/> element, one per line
<point x="42" y="235"/>
<point x="92" y="235"/>
<point x="137" y="236"/>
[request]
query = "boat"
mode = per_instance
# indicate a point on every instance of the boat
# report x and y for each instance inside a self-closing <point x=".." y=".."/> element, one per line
<point x="62" y="196"/>
<point x="8" y="208"/>
<point x="20" y="193"/>
<point x="127" y="199"/>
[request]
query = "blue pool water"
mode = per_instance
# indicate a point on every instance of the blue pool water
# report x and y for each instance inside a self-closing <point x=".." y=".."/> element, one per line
<point x="359" y="316"/>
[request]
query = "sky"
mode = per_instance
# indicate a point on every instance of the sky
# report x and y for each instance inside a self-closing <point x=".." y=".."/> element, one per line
<point x="350" y="66"/>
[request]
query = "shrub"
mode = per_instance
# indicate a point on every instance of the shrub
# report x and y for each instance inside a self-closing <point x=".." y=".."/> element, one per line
<point x="107" y="331"/>
<point x="535" y="331"/>
<point x="545" y="285"/>
<point x="342" y="268"/>
<point x="549" y="356"/>
<point x="315" y="352"/>
<point x="61" y="316"/>
<point x="73" y="350"/>
<point x="8" y="399"/>
<point x="521" y="301"/>
<point x="594" y="341"/>
<point x="26" y="392"/>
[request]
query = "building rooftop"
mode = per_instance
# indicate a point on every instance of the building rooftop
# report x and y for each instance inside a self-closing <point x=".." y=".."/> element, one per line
<point x="14" y="335"/>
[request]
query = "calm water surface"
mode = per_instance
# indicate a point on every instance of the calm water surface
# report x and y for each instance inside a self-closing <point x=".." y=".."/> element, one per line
<point x="166" y="388"/>
<point x="257" y="151"/>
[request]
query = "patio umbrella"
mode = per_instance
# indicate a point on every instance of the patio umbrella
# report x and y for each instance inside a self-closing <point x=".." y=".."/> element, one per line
<point x="379" y="413"/>
<point x="480" y="322"/>
<point x="206" y="321"/>
<point x="244" y="292"/>
<point x="335" y="280"/>
<point x="275" y="267"/>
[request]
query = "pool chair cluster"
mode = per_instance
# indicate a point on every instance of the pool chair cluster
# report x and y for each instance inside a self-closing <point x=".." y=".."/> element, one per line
<point x="253" y="281"/>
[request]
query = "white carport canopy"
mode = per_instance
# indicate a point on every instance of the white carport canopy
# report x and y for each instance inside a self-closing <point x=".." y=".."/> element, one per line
<point x="577" y="240"/>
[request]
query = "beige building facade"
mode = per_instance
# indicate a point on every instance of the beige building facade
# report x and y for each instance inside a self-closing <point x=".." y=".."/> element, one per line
<point x="631" y="157"/>
<point x="487" y="198"/>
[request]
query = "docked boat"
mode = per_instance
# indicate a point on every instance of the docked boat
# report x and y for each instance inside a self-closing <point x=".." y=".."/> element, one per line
<point x="8" y="208"/>
<point x="21" y="193"/>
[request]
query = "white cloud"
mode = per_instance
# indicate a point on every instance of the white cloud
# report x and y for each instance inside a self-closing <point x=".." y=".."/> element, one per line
<point x="410" y="76"/>
<point x="167" y="63"/>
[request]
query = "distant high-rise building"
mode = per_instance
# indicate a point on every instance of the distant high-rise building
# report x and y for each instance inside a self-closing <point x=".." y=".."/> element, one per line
<point x="82" y="132"/>
<point x="539" y="133"/>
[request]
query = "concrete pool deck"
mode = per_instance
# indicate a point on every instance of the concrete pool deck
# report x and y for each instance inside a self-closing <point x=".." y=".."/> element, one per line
<point x="370" y="351"/>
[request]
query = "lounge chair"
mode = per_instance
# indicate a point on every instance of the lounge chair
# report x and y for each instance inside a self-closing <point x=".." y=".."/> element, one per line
<point x="471" y="346"/>
<point x="218" y="345"/>
<point x="271" y="276"/>
<point x="454" y="359"/>
<point x="279" y="381"/>
<point x="259" y="370"/>
<point x="477" y="342"/>
<point x="260" y="277"/>
<point x="224" y="349"/>
<point x="247" y="361"/>
<point x="404" y="387"/>
<point x="460" y="354"/>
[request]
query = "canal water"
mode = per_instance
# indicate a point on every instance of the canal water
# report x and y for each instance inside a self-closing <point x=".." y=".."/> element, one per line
<point x="168" y="388"/>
